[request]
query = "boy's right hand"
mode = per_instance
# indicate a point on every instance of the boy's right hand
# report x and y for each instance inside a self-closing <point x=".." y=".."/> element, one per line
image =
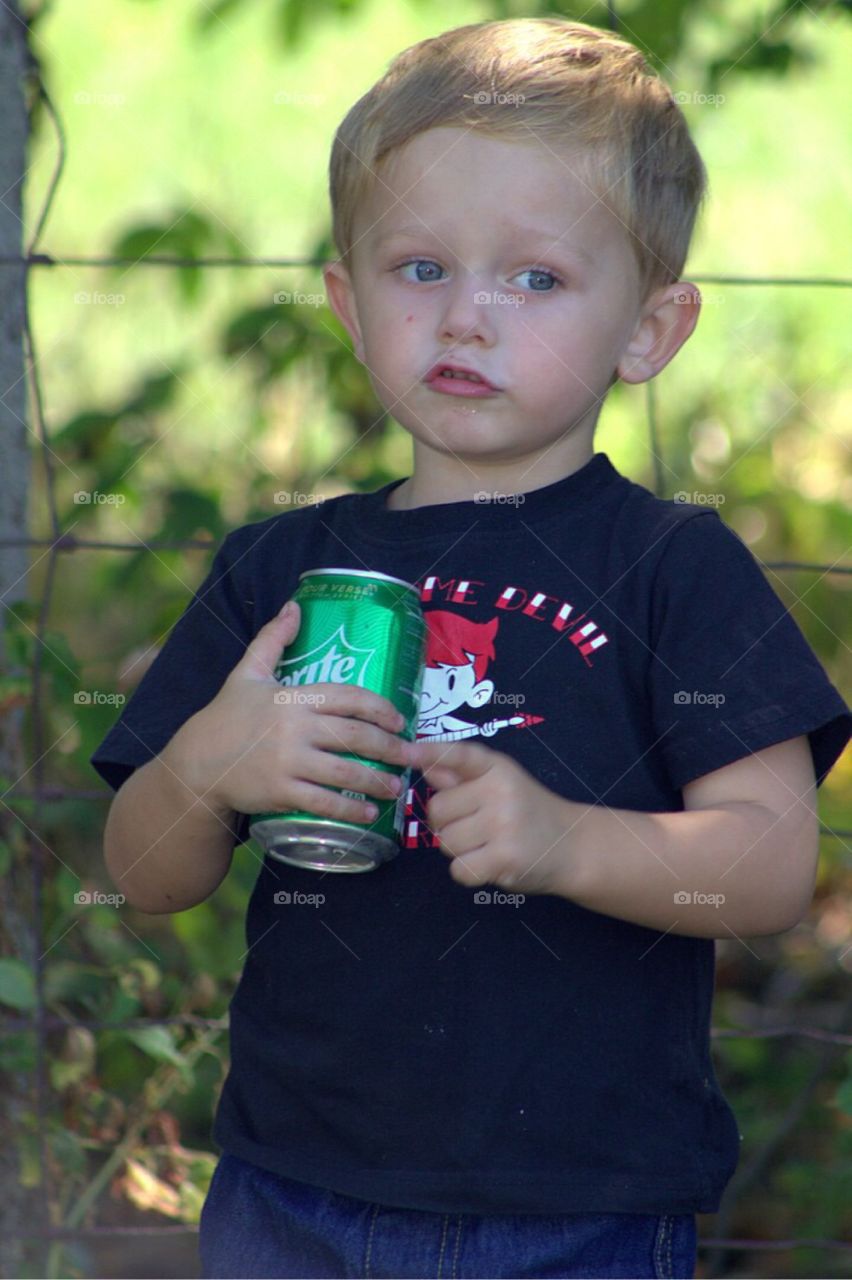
<point x="246" y="752"/>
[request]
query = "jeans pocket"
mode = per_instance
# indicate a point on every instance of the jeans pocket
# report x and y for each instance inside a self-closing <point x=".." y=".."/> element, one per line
<point x="675" y="1246"/>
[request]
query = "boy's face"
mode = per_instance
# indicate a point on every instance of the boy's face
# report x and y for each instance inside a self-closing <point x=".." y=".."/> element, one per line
<point x="495" y="256"/>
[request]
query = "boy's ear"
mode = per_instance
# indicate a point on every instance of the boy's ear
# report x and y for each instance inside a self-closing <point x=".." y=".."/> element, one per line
<point x="341" y="297"/>
<point x="667" y="319"/>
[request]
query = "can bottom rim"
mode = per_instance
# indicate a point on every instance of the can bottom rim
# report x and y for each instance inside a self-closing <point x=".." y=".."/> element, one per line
<point x="316" y="848"/>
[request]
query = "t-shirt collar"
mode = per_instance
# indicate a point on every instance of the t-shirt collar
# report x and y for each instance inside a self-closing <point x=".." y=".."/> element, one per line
<point x="562" y="498"/>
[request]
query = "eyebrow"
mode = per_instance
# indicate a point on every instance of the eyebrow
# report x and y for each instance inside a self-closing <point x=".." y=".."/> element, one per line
<point x="531" y="233"/>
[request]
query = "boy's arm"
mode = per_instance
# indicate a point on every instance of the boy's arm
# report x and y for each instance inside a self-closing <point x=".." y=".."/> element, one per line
<point x="165" y="847"/>
<point x="744" y="851"/>
<point x="749" y="832"/>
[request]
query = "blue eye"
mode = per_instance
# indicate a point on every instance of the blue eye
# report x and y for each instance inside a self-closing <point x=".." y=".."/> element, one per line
<point x="535" y="271"/>
<point x="429" y="265"/>
<point x="418" y="262"/>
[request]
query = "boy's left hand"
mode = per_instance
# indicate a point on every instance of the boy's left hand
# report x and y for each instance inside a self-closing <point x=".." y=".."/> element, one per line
<point x="493" y="819"/>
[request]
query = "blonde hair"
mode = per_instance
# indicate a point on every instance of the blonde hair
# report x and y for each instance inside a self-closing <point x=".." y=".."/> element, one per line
<point x="560" y="81"/>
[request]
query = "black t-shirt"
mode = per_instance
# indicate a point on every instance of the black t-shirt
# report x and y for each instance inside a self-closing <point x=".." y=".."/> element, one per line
<point x="407" y="1043"/>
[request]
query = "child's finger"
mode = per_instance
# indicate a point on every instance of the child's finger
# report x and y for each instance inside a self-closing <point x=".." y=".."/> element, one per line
<point x="442" y="775"/>
<point x="472" y="869"/>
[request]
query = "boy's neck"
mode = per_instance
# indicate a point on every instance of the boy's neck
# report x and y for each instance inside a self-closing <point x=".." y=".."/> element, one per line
<point x="459" y="482"/>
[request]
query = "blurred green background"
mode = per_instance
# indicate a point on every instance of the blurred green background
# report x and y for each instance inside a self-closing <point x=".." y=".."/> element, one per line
<point x="203" y="129"/>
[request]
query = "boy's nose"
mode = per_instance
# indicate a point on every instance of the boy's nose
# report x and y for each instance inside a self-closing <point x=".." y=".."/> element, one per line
<point x="468" y="313"/>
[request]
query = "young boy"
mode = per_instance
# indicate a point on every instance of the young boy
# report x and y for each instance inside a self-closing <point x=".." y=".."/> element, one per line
<point x="490" y="1057"/>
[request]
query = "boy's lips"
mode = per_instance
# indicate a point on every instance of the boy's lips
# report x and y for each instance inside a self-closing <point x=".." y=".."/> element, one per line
<point x="474" y="384"/>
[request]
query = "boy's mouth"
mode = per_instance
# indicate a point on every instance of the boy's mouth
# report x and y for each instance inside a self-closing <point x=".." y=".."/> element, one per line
<point x="458" y="380"/>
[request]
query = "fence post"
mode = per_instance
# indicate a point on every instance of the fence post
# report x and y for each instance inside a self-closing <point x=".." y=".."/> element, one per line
<point x="15" y="463"/>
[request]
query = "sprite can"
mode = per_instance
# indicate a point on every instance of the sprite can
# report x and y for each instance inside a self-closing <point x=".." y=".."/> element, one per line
<point x="362" y="628"/>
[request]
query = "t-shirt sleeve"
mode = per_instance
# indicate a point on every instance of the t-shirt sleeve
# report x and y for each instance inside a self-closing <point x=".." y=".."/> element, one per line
<point x="201" y="650"/>
<point x="731" y="672"/>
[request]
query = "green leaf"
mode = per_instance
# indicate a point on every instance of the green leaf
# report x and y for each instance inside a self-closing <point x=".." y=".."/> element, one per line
<point x="17" y="985"/>
<point x="843" y="1097"/>
<point x="210" y="17"/>
<point x="190" y="513"/>
<point x="18" y="1052"/>
<point x="68" y="980"/>
<point x="157" y="1042"/>
<point x="68" y="1150"/>
<point x="86" y="435"/>
<point x="157" y="392"/>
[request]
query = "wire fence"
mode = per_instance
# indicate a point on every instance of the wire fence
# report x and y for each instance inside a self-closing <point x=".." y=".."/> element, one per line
<point x="42" y="792"/>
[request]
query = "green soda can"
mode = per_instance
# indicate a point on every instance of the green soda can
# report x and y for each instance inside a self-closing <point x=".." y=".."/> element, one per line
<point x="358" y="628"/>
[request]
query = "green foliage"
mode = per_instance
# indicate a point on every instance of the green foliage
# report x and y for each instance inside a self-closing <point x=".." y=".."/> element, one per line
<point x="291" y="16"/>
<point x="17" y="985"/>
<point x="180" y="234"/>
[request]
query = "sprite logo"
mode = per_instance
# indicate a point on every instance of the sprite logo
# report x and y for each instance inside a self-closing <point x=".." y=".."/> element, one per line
<point x="334" y="660"/>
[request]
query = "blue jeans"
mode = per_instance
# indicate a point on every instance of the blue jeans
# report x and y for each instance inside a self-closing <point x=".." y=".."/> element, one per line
<point x="257" y="1224"/>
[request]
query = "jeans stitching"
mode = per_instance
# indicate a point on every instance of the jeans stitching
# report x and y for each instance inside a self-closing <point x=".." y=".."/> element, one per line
<point x="458" y="1244"/>
<point x="370" y="1240"/>
<point x="663" y="1246"/>
<point x="443" y="1243"/>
